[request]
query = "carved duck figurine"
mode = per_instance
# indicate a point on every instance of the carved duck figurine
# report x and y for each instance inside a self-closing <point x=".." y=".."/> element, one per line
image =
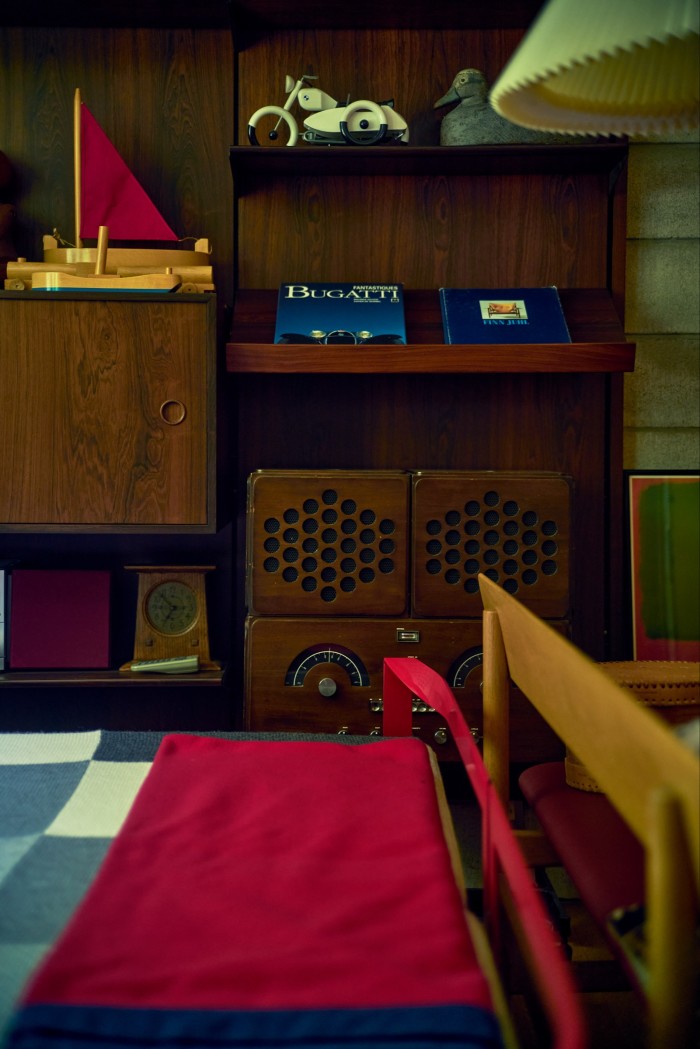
<point x="474" y="121"/>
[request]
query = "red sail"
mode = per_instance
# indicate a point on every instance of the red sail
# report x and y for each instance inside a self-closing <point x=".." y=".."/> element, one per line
<point x="110" y="195"/>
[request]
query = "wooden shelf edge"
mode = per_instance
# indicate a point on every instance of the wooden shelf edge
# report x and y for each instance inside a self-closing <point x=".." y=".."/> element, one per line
<point x="252" y="358"/>
<point x="106" y="679"/>
<point x="402" y="159"/>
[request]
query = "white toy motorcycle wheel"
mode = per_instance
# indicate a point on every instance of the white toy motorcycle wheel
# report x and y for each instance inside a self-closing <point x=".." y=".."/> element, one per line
<point x="282" y="115"/>
<point x="363" y="106"/>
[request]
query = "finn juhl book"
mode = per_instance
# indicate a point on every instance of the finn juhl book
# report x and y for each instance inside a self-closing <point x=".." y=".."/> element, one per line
<point x="349" y="314"/>
<point x="485" y="315"/>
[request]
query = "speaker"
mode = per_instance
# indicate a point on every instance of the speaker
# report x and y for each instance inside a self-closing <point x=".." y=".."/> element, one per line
<point x="513" y="527"/>
<point x="328" y="543"/>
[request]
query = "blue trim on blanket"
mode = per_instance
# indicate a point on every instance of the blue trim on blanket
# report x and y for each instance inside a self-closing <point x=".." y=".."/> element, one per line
<point x="126" y="745"/>
<point x="420" y="1027"/>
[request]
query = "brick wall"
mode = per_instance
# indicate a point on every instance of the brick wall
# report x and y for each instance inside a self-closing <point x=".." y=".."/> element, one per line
<point x="662" y="396"/>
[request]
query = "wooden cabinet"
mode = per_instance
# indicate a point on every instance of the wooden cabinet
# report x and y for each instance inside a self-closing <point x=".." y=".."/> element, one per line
<point x="107" y="412"/>
<point x="430" y="217"/>
<point x="95" y="469"/>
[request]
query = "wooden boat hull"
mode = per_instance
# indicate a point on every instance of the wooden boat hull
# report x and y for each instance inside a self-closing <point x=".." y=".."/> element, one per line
<point x="119" y="258"/>
<point x="59" y="281"/>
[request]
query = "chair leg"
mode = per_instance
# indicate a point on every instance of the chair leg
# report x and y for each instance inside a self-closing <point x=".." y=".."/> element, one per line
<point x="496" y="698"/>
<point x="672" y="917"/>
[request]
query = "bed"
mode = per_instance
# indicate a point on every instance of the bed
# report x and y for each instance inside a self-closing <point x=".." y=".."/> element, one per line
<point x="212" y="890"/>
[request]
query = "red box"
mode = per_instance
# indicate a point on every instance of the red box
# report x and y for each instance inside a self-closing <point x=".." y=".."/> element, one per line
<point x="59" y="619"/>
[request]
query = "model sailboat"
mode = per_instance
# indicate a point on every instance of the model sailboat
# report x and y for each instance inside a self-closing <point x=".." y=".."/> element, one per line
<point x="110" y="204"/>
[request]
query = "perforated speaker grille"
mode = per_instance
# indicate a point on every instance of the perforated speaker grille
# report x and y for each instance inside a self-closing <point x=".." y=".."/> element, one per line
<point x="514" y="528"/>
<point x="333" y="543"/>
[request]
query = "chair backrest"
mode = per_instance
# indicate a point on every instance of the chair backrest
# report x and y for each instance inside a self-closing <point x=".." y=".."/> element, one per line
<point x="628" y="748"/>
<point x="648" y="774"/>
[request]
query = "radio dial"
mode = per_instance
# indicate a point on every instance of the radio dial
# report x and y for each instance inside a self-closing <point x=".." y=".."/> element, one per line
<point x="327" y="686"/>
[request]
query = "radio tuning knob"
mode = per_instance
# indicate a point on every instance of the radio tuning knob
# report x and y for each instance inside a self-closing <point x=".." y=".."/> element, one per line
<point x="441" y="736"/>
<point x="327" y="686"/>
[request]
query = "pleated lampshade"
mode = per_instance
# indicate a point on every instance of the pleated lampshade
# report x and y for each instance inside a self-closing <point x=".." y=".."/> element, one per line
<point x="605" y="67"/>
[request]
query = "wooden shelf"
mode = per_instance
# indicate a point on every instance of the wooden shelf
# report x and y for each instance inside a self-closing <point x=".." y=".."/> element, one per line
<point x="279" y="14"/>
<point x="431" y="359"/>
<point x="598" y="343"/>
<point x="107" y="679"/>
<point x="405" y="14"/>
<point x="144" y="13"/>
<point x="250" y="163"/>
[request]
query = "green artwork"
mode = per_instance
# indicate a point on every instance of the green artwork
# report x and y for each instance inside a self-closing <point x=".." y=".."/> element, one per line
<point x="669" y="534"/>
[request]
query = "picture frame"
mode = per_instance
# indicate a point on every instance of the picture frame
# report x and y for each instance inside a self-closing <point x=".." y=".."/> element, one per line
<point x="664" y="563"/>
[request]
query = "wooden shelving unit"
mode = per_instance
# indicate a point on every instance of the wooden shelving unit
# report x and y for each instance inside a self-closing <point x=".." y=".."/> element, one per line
<point x="429" y="217"/>
<point x="107" y="679"/>
<point x="598" y="344"/>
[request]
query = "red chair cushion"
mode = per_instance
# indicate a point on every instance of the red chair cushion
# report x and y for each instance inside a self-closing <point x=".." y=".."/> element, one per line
<point x="603" y="858"/>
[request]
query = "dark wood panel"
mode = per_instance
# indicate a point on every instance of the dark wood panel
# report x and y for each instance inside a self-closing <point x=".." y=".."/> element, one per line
<point x="265" y="14"/>
<point x="414" y="67"/>
<point x="406" y="13"/>
<point x="188" y="709"/>
<point x="166" y="103"/>
<point x="126" y="13"/>
<point x="422" y="231"/>
<point x="417" y="421"/>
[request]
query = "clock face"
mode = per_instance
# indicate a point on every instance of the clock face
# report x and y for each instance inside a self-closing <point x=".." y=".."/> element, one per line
<point x="171" y="607"/>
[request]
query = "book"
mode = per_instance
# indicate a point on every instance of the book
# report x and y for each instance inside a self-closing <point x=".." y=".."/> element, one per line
<point x="486" y="315"/>
<point x="59" y="619"/>
<point x="5" y="582"/>
<point x="340" y="313"/>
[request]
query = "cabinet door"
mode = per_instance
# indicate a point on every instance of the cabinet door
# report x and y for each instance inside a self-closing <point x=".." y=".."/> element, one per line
<point x="106" y="413"/>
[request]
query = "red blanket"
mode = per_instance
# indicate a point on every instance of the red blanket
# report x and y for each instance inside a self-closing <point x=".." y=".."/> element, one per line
<point x="254" y="882"/>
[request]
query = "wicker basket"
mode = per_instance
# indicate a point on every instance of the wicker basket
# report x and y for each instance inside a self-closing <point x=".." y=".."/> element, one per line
<point x="671" y="688"/>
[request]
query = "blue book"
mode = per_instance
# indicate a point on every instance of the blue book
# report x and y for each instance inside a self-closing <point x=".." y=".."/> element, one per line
<point x="337" y="314"/>
<point x="483" y="315"/>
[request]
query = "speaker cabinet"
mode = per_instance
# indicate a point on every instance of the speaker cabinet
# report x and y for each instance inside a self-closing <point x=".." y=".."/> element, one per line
<point x="330" y="543"/>
<point x="325" y="675"/>
<point x="513" y="527"/>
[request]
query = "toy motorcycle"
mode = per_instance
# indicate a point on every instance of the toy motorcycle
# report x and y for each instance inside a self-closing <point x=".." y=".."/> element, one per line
<point x="360" y="123"/>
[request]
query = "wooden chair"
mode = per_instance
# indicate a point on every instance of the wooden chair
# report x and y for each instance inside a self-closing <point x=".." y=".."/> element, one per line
<point x="651" y="784"/>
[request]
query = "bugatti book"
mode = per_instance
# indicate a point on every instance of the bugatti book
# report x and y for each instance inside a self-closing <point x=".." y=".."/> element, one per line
<point x="331" y="314"/>
<point x="489" y="315"/>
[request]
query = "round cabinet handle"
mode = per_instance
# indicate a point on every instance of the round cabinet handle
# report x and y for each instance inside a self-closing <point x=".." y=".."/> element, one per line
<point x="172" y="412"/>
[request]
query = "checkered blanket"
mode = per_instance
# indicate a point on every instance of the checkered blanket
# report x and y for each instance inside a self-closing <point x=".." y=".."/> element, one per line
<point x="64" y="798"/>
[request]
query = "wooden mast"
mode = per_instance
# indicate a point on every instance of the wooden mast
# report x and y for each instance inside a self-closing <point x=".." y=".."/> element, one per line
<point x="76" y="164"/>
